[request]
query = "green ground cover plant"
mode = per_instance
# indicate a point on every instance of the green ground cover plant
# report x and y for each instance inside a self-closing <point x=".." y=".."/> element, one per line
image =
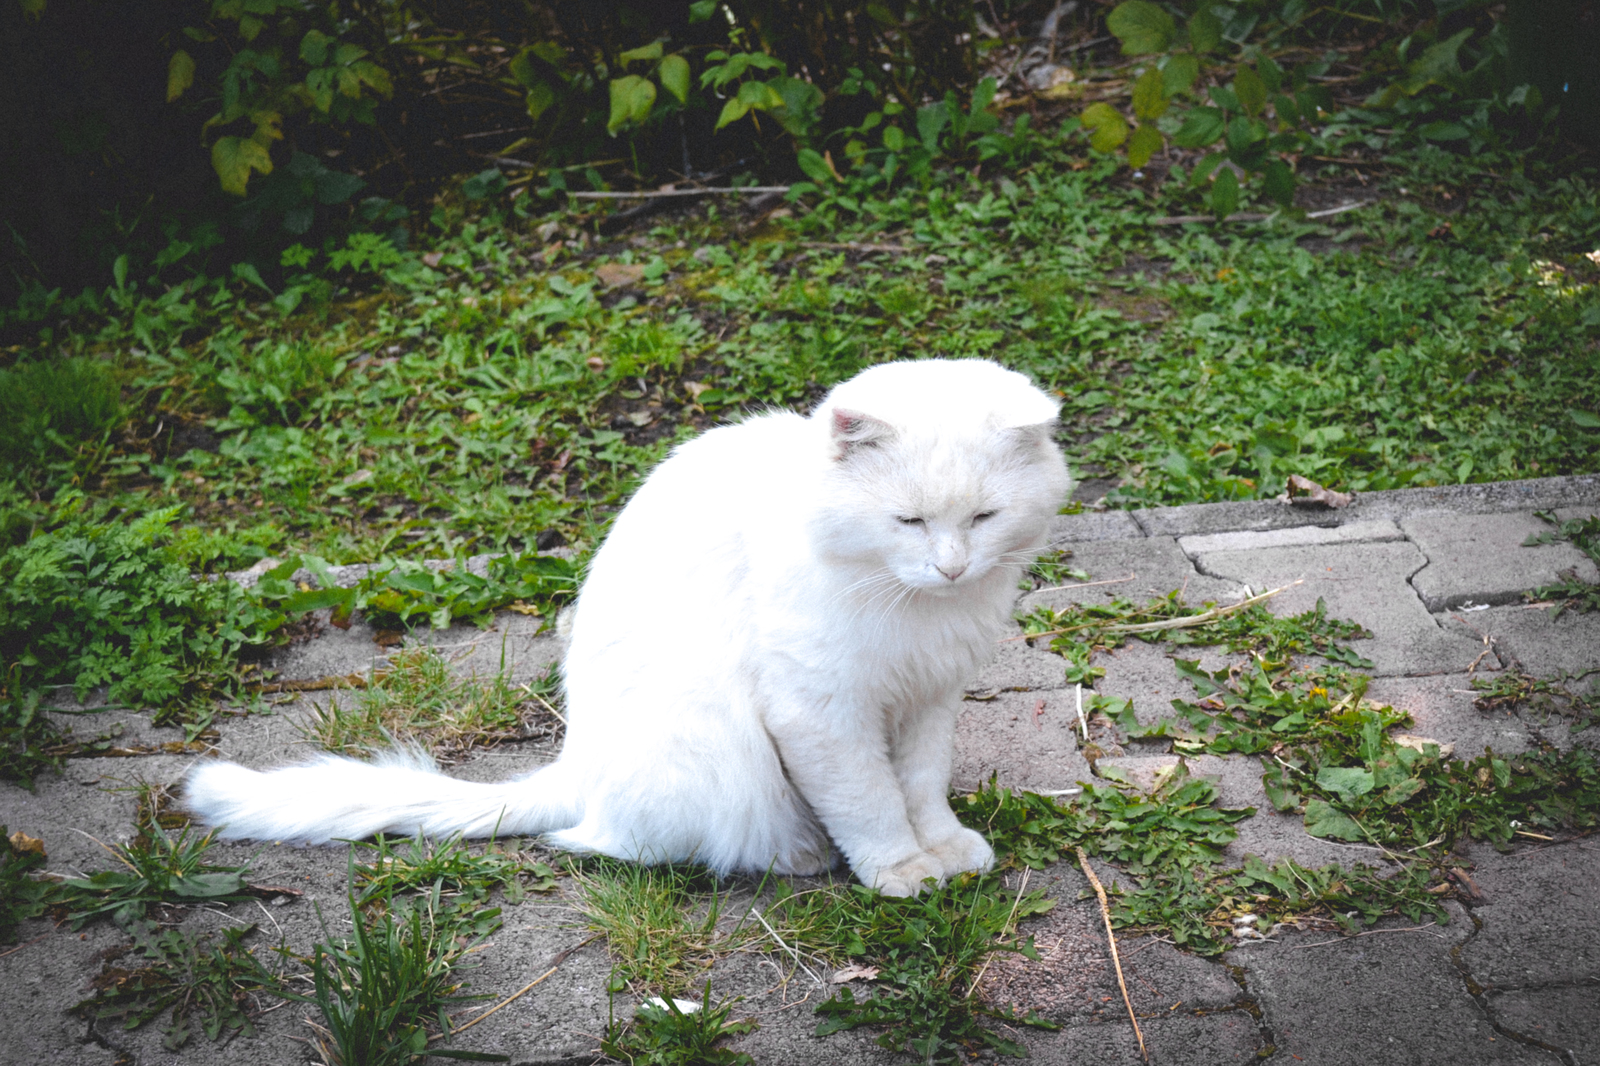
<point x="417" y="699"/>
<point x="206" y="981"/>
<point x="1571" y="593"/>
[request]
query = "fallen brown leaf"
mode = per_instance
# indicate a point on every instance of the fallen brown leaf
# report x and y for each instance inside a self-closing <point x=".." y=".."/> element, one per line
<point x="1303" y="492"/>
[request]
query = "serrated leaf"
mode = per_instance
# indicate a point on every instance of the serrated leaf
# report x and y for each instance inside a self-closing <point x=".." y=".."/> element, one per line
<point x="1201" y="126"/>
<point x="180" y="74"/>
<point x="1145" y="142"/>
<point x="1108" y="128"/>
<point x="1150" y="95"/>
<point x="1326" y="821"/>
<point x="632" y="97"/>
<point x="1278" y="182"/>
<point x="1348" y="781"/>
<point x="1181" y="71"/>
<point x="1205" y="30"/>
<point x="1142" y="27"/>
<point x="674" y="75"/>
<point x="1251" y="90"/>
<point x="233" y="158"/>
<point x="1224" y="198"/>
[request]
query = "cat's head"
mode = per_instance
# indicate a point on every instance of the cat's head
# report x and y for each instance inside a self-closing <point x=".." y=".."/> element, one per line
<point x="940" y="470"/>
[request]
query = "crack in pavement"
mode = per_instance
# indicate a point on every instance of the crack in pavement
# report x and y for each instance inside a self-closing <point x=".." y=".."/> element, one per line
<point x="1248" y="1003"/>
<point x="1480" y="996"/>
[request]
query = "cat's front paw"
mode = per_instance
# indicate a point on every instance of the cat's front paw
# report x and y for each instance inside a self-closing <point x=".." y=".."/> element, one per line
<point x="905" y="878"/>
<point x="962" y="851"/>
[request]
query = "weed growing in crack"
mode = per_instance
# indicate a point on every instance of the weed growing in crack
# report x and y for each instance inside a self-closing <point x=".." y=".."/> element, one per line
<point x="166" y="869"/>
<point x="1546" y="697"/>
<point x="450" y="868"/>
<point x="22" y="895"/>
<point x="378" y="988"/>
<point x="418" y="699"/>
<point x="660" y="922"/>
<point x="213" y="983"/>
<point x="1329" y="754"/>
<point x="1078" y="631"/>
<point x="1571" y="593"/>
<point x="665" y="1034"/>
<point x="927" y="951"/>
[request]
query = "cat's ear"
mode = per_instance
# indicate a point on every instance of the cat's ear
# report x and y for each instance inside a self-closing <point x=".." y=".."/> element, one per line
<point x="1035" y="439"/>
<point x="852" y="430"/>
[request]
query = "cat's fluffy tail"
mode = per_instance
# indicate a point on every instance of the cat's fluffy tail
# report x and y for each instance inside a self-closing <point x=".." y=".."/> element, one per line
<point x="398" y="792"/>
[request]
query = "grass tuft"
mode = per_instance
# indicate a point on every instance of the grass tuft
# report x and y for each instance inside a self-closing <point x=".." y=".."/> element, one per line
<point x="418" y="699"/>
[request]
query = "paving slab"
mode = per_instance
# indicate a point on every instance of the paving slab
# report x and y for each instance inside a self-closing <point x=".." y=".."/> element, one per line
<point x="1482" y="558"/>
<point x="1386" y="998"/>
<point x="1514" y="980"/>
<point x="1369" y="530"/>
<point x="1365" y="583"/>
<point x="1528" y="635"/>
<point x="1025" y="739"/>
<point x="1136" y="570"/>
<point x="1538" y="494"/>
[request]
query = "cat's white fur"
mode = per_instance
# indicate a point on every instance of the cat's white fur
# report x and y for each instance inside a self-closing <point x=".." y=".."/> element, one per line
<point x="768" y="655"/>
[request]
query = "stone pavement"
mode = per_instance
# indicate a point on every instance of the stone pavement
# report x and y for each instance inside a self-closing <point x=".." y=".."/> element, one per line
<point x="1435" y="574"/>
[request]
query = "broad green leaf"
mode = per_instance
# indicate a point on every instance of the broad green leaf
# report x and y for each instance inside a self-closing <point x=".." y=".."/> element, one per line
<point x="1348" y="781"/>
<point x="1180" y="72"/>
<point x="1440" y="60"/>
<point x="1584" y="418"/>
<point x="1201" y="126"/>
<point x="1444" y="131"/>
<point x="632" y="97"/>
<point x="539" y="99"/>
<point x="894" y="138"/>
<point x="233" y="158"/>
<point x="1144" y="143"/>
<point x="644" y="52"/>
<point x="180" y="74"/>
<point x="1205" y="31"/>
<point x="1142" y="27"/>
<point x="1251" y="90"/>
<point x="674" y="75"/>
<point x="1224" y="196"/>
<point x="314" y="47"/>
<point x="814" y="166"/>
<point x="1108" y="128"/>
<point x="1288" y="112"/>
<point x="1326" y="821"/>
<point x="1150" y="95"/>
<point x="1278" y="182"/>
<point x="1270" y="72"/>
<point x="701" y="10"/>
<point x="732" y="111"/>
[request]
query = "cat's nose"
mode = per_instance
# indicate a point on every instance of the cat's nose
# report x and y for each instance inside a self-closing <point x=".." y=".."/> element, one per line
<point x="952" y="573"/>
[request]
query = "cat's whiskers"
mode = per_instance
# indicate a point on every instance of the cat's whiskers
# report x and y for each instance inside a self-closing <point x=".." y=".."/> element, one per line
<point x="888" y="584"/>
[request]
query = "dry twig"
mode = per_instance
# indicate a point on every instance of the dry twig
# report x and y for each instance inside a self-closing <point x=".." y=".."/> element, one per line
<point x="1105" y="913"/>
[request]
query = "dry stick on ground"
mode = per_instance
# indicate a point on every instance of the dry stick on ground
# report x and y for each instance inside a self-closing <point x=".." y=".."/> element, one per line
<point x="1085" y="584"/>
<point x="555" y="964"/>
<point x="1105" y="913"/>
<point x="657" y="194"/>
<point x="1251" y="216"/>
<point x="1185" y="622"/>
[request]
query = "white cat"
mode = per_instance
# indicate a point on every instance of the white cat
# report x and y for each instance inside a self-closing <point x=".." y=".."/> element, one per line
<point x="768" y="654"/>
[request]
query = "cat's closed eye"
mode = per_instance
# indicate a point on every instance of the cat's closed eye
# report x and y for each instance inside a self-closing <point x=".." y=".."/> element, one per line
<point x="908" y="521"/>
<point x="981" y="515"/>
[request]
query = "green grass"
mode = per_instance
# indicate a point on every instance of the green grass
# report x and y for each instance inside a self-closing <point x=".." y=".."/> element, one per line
<point x="661" y="924"/>
<point x="419" y="699"/>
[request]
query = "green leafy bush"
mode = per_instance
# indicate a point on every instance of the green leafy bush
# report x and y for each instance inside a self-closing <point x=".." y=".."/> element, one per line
<point x="108" y="603"/>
